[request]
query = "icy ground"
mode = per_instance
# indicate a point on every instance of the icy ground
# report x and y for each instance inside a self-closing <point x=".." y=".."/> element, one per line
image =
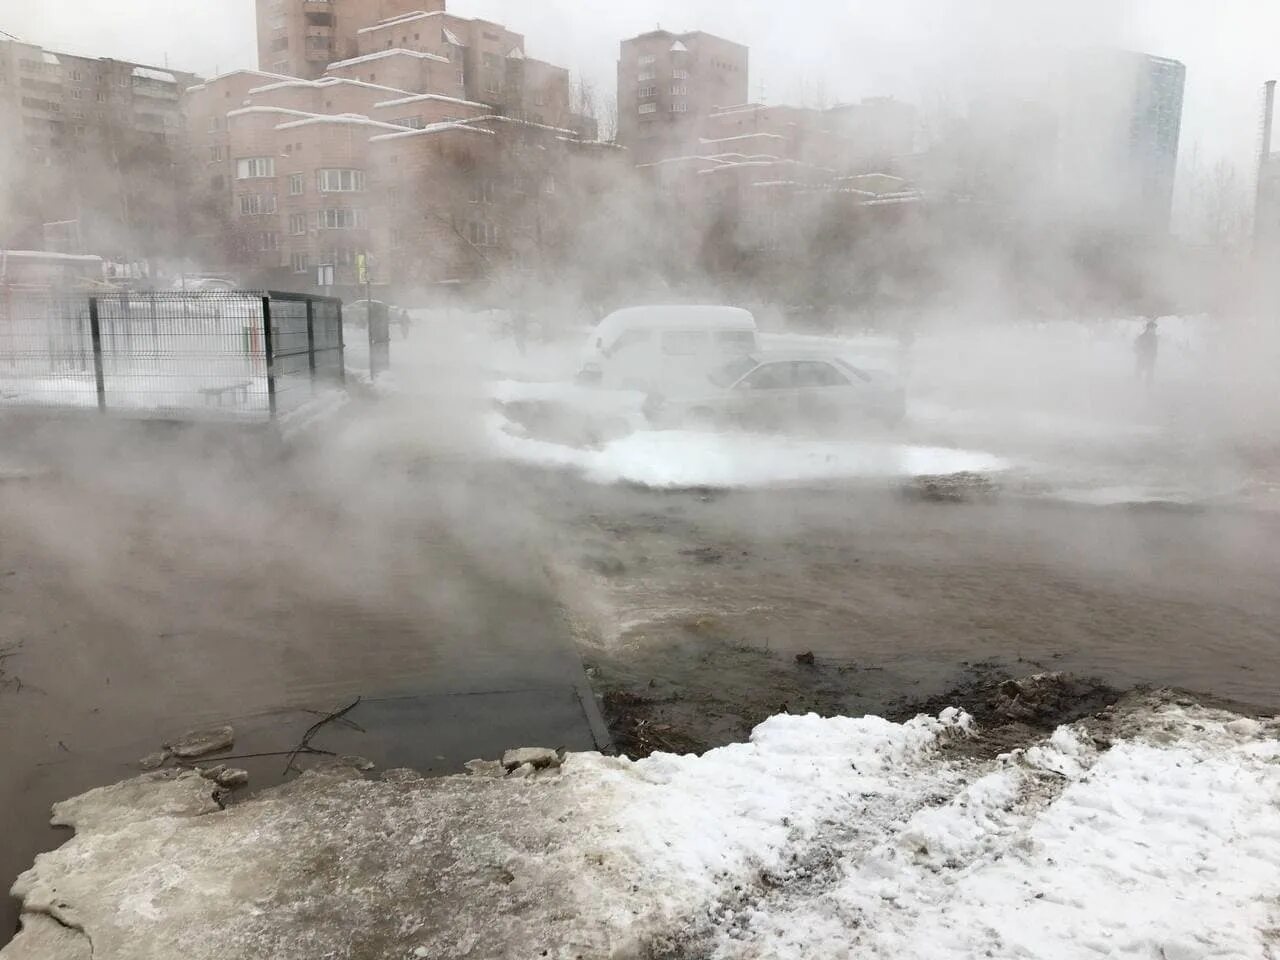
<point x="1151" y="831"/>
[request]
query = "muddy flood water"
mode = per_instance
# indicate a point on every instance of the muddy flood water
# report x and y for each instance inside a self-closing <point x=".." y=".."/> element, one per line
<point x="205" y="579"/>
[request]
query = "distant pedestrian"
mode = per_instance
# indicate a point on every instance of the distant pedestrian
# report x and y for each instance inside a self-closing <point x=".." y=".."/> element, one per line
<point x="406" y="322"/>
<point x="520" y="329"/>
<point x="1145" y="348"/>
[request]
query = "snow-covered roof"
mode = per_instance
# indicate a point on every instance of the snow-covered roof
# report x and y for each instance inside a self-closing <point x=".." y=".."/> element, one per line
<point x="430" y="128"/>
<point x="420" y="97"/>
<point x="382" y="54"/>
<point x="50" y="59"/>
<point x="285" y="111"/>
<point x="324" y="82"/>
<point x="743" y="136"/>
<point x="515" y="53"/>
<point x="498" y="118"/>
<point x="679" y="47"/>
<point x="668" y="316"/>
<point x="351" y="119"/>
<point x="450" y="37"/>
<point x="397" y="21"/>
<point x="147" y="73"/>
<point x="738" y="108"/>
<point x="48" y="255"/>
<point x="233" y="73"/>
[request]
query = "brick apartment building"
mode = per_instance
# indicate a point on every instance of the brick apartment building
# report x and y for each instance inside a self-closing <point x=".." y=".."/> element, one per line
<point x="434" y="144"/>
<point x="94" y="149"/>
<point x="669" y="83"/>
<point x="301" y="38"/>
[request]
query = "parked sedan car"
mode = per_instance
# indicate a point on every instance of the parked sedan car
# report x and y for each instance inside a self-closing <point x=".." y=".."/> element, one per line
<point x="777" y="391"/>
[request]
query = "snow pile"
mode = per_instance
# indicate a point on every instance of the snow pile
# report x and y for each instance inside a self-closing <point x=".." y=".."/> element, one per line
<point x="693" y="458"/>
<point x="818" y="838"/>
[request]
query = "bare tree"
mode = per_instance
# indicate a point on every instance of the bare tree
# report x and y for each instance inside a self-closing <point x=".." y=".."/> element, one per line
<point x="1216" y="202"/>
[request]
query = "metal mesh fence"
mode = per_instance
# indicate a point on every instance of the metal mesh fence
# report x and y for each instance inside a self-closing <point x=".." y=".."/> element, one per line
<point x="46" y="352"/>
<point x="171" y="354"/>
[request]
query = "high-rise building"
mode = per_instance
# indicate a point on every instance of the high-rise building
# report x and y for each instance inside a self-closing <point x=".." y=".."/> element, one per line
<point x="302" y="37"/>
<point x="1091" y="136"/>
<point x="307" y="171"/>
<point x="669" y="83"/>
<point x="93" y="143"/>
<point x="1155" y="128"/>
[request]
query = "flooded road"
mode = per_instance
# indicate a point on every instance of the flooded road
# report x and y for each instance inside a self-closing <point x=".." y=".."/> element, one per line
<point x="199" y="579"/>
<point x="702" y="600"/>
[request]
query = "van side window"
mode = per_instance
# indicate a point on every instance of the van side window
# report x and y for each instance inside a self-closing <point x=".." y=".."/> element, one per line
<point x="735" y="342"/>
<point x="684" y="342"/>
<point x="629" y="338"/>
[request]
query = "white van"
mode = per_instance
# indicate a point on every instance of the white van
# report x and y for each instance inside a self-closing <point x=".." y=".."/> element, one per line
<point x="645" y="348"/>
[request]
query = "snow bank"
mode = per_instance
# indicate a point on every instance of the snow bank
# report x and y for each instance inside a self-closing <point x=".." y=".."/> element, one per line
<point x="818" y="838"/>
<point x="690" y="458"/>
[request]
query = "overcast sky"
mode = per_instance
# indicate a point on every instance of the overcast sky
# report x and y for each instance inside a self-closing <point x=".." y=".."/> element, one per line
<point x="800" y="50"/>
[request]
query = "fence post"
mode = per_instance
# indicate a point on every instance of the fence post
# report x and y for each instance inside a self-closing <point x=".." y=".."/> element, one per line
<point x="270" y="355"/>
<point x="95" y="334"/>
<point x="342" y="347"/>
<point x="311" y="341"/>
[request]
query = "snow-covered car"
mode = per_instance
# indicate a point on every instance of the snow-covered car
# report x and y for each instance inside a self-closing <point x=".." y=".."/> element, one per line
<point x="780" y="391"/>
<point x="659" y="347"/>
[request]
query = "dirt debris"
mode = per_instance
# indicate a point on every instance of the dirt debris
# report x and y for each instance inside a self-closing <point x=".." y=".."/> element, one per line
<point x="198" y="743"/>
<point x="1011" y="711"/>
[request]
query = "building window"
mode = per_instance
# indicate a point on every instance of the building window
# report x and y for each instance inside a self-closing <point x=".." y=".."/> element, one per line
<point x="77" y="75"/>
<point x="254" y="204"/>
<point x="215" y="124"/>
<point x="77" y="93"/>
<point x="299" y="262"/>
<point x="679" y="90"/>
<point x="462" y="78"/>
<point x="648" y="108"/>
<point x="646" y="75"/>
<point x="648" y="91"/>
<point x="679" y="74"/>
<point x="251" y="168"/>
<point x="216" y="155"/>
<point x="679" y="107"/>
<point x="340" y="218"/>
<point x="298" y="224"/>
<point x="413" y="123"/>
<point x="102" y="96"/>
<point x="482" y="191"/>
<point x="340" y="181"/>
<point x="266" y="241"/>
<point x="647" y="59"/>
<point x="482" y="234"/>
<point x="297" y="184"/>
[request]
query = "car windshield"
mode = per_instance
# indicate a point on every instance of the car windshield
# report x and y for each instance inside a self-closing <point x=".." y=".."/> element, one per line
<point x="730" y="373"/>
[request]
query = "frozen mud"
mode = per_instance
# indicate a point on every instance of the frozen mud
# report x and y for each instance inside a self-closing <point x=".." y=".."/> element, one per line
<point x="1148" y="830"/>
